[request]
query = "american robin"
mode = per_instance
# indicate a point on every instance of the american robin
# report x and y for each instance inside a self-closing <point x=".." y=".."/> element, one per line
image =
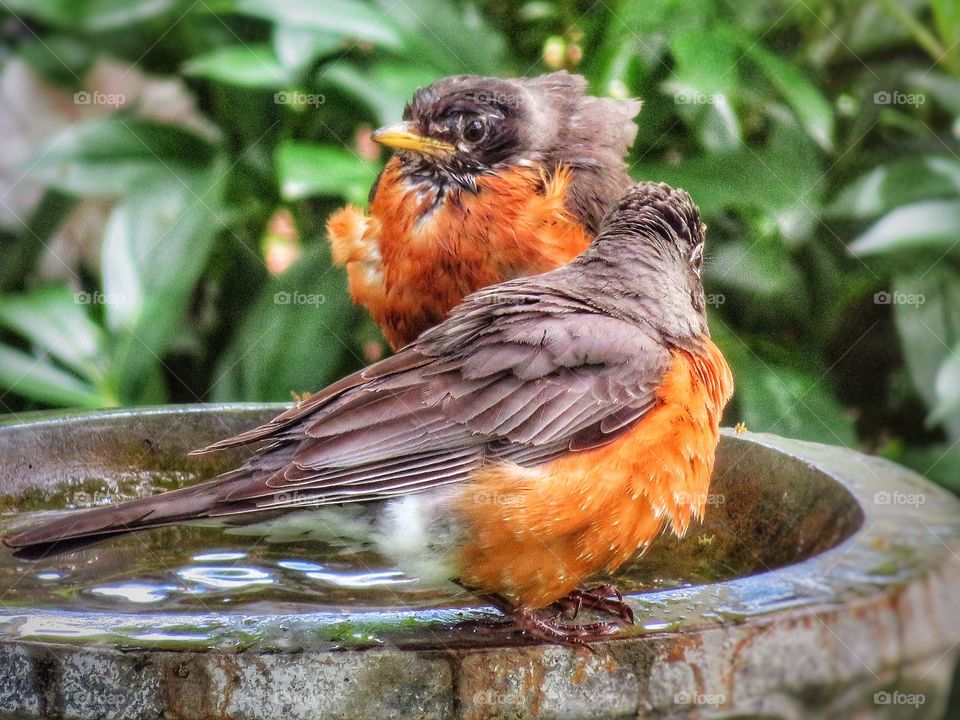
<point x="549" y="429"/>
<point x="491" y="180"/>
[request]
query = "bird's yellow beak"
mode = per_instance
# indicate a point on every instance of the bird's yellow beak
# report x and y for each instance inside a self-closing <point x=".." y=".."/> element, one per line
<point x="402" y="136"/>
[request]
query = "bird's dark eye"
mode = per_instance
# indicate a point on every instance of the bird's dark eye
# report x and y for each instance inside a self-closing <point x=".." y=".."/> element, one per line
<point x="474" y="131"/>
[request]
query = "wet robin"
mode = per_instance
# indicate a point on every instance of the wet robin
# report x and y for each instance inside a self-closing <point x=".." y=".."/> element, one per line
<point x="491" y="180"/>
<point x="549" y="429"/>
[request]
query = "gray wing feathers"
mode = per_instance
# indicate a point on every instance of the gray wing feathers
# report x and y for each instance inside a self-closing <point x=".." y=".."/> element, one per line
<point x="524" y="384"/>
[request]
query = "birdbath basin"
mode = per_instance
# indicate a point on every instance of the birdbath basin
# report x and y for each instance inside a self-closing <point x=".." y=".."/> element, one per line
<point x="820" y="583"/>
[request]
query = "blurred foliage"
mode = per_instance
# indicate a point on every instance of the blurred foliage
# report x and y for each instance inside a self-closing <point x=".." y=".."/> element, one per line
<point x="819" y="140"/>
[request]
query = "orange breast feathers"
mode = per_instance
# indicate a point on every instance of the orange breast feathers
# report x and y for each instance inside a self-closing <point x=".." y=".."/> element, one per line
<point x="534" y="534"/>
<point x="410" y="260"/>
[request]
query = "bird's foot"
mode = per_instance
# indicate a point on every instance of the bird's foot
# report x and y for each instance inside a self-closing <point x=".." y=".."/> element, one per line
<point x="554" y="629"/>
<point x="603" y="598"/>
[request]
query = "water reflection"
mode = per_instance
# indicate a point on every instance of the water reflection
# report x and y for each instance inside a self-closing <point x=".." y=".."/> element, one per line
<point x="193" y="568"/>
<point x="341" y="578"/>
<point x="135" y="592"/>
<point x="225" y="577"/>
<point x="219" y="556"/>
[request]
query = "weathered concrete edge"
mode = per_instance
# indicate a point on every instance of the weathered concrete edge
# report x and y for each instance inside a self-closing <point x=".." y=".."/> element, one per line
<point x="723" y="668"/>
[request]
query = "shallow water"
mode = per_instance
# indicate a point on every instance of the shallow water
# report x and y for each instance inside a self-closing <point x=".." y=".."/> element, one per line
<point x="198" y="569"/>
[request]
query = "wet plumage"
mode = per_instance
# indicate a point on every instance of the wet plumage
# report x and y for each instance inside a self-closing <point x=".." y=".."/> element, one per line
<point x="548" y="429"/>
<point x="450" y="215"/>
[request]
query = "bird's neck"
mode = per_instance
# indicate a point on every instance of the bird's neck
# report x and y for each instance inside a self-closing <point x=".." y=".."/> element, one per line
<point x="434" y="253"/>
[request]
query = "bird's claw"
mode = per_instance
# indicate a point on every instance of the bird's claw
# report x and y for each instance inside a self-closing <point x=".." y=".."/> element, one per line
<point x="603" y="598"/>
<point x="556" y="630"/>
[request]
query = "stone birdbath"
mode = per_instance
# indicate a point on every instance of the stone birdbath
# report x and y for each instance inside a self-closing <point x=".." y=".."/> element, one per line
<point x="822" y="583"/>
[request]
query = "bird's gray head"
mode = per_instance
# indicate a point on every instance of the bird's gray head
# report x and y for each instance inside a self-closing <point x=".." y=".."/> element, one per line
<point x="652" y="241"/>
<point x="464" y="126"/>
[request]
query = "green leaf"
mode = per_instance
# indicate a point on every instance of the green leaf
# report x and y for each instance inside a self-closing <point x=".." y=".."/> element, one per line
<point x="93" y="15"/>
<point x="103" y="157"/>
<point x="947" y="15"/>
<point x="293" y="338"/>
<point x="297" y="47"/>
<point x="39" y="380"/>
<point x="355" y="20"/>
<point x="947" y="386"/>
<point x="155" y="247"/>
<point x="898" y="183"/>
<point x="243" y="65"/>
<point x="705" y="63"/>
<point x="874" y="28"/>
<point x="762" y="269"/>
<point x="928" y="327"/>
<point x="307" y="169"/>
<point x="55" y="320"/>
<point x="944" y="88"/>
<point x="449" y="38"/>
<point x="58" y="58"/>
<point x="935" y="462"/>
<point x="788" y="400"/>
<point x="812" y="108"/>
<point x="919" y="225"/>
<point x="385" y="88"/>
<point x="21" y="252"/>
<point x="782" y="180"/>
<point x="662" y="15"/>
<point x="703" y="83"/>
<point x="719" y="129"/>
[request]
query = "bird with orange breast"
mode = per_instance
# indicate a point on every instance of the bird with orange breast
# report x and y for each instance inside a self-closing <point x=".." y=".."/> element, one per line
<point x="549" y="429"/>
<point x="492" y="179"/>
